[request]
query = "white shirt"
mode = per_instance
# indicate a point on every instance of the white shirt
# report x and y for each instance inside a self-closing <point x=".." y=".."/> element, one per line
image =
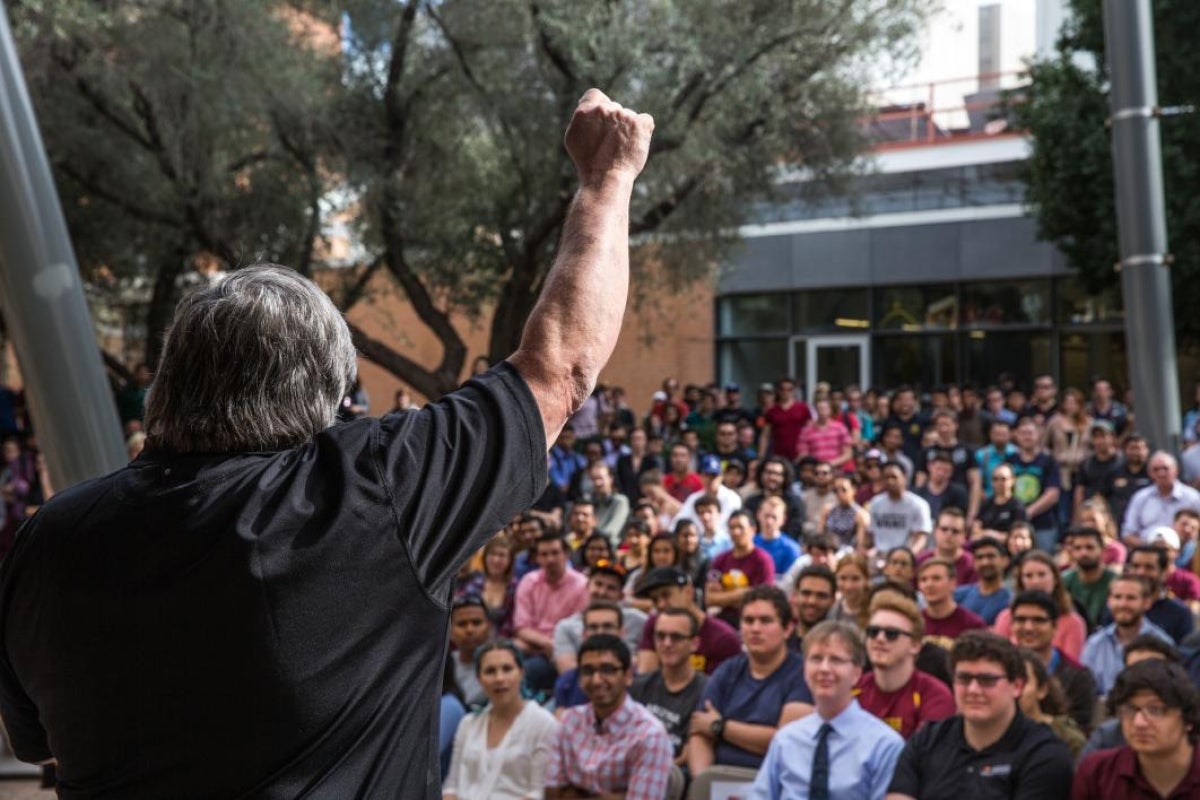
<point x="729" y="501"/>
<point x="892" y="521"/>
<point x="1148" y="508"/>
<point x="515" y="769"/>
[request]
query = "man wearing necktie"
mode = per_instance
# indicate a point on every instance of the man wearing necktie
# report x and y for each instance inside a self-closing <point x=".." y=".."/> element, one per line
<point x="841" y="752"/>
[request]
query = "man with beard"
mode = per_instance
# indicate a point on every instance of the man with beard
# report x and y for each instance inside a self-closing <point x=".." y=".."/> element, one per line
<point x="1088" y="582"/>
<point x="907" y="417"/>
<point x="1157" y="504"/>
<point x="819" y="496"/>
<point x="895" y="690"/>
<point x="774" y="479"/>
<point x="1034" y="615"/>
<point x="814" y="595"/>
<point x="1166" y="612"/>
<point x="1128" y="600"/>
<point x="989" y="596"/>
<point x="1132" y="476"/>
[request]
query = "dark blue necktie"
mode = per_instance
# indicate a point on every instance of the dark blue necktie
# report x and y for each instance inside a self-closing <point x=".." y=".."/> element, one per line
<point x="819" y="783"/>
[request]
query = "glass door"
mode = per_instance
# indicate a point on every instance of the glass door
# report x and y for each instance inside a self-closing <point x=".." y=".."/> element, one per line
<point x="837" y="360"/>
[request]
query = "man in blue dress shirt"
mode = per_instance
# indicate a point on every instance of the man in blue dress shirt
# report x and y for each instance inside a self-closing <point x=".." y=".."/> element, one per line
<point x="841" y="752"/>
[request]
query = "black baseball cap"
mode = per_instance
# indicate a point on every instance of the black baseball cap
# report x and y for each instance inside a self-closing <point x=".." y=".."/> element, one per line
<point x="658" y="577"/>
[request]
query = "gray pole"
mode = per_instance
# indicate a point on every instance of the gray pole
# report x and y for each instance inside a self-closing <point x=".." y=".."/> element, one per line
<point x="1141" y="218"/>
<point x="72" y="405"/>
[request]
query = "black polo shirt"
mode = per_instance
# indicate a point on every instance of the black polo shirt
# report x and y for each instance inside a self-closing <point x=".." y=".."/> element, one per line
<point x="1027" y="763"/>
<point x="267" y="625"/>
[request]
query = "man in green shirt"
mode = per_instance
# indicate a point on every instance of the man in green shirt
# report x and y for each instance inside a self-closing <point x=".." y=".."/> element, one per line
<point x="1088" y="581"/>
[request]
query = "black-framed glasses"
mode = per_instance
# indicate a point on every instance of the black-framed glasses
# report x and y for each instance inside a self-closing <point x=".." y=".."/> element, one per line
<point x="986" y="680"/>
<point x="670" y="636"/>
<point x="891" y="634"/>
<point x="607" y="670"/>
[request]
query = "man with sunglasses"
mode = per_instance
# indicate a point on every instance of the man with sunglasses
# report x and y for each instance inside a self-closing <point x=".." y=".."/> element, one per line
<point x="611" y="745"/>
<point x="989" y="749"/>
<point x="672" y="692"/>
<point x="895" y="690"/>
<point x="1159" y="709"/>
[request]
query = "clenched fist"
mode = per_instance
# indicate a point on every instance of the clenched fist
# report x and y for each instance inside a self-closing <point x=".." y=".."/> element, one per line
<point x="605" y="139"/>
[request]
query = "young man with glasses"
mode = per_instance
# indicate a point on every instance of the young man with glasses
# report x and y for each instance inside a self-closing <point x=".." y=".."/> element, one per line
<point x="1034" y="618"/>
<point x="668" y="587"/>
<point x="600" y="617"/>
<point x="673" y="691"/>
<point x="1107" y="734"/>
<point x="612" y="744"/>
<point x="989" y="749"/>
<point x="895" y="690"/>
<point x="841" y="751"/>
<point x="1159" y="709"/>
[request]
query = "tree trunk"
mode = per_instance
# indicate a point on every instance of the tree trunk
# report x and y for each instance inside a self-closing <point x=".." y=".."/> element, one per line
<point x="431" y="383"/>
<point x="162" y="307"/>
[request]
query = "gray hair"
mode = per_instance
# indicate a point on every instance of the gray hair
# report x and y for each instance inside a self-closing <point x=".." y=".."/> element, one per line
<point x="259" y="361"/>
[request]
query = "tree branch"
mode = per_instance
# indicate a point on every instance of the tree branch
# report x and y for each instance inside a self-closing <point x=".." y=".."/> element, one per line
<point x="126" y="205"/>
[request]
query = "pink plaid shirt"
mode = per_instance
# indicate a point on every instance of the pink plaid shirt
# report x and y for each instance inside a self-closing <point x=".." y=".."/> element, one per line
<point x="823" y="444"/>
<point x="632" y="753"/>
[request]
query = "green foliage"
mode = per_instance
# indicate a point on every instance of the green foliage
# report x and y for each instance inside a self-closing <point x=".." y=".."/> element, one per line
<point x="185" y="125"/>
<point x="1070" y="176"/>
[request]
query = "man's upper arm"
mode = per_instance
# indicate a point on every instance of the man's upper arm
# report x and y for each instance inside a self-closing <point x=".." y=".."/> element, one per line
<point x="440" y="467"/>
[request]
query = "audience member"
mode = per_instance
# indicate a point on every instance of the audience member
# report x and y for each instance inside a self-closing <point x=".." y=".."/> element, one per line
<point x="503" y="751"/>
<point x="551" y="593"/>
<point x="605" y="583"/>
<point x="945" y="620"/>
<point x="1042" y="701"/>
<point x="1129" y="598"/>
<point x="671" y="588"/>
<point x="1034" y="614"/>
<point x="989" y="749"/>
<point x="1089" y="580"/>
<point x="989" y="596"/>
<point x="612" y="744"/>
<point x="949" y="535"/>
<point x="736" y="571"/>
<point x="469" y="630"/>
<point x="1166" y="612"/>
<point x="1038" y="573"/>
<point x="898" y="517"/>
<point x="839" y="751"/>
<point x="673" y="691"/>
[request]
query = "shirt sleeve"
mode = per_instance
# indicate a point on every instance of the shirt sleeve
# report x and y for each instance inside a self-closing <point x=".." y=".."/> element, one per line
<point x="650" y="767"/>
<point x="523" y="613"/>
<point x="906" y="779"/>
<point x="459" y="469"/>
<point x="766" y="783"/>
<point x="556" y="773"/>
<point x="883" y="766"/>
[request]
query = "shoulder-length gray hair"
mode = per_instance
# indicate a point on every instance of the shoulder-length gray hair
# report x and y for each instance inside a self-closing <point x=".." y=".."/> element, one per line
<point x="259" y="361"/>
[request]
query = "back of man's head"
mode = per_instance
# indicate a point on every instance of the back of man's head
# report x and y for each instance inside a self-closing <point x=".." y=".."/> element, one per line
<point x="259" y="361"/>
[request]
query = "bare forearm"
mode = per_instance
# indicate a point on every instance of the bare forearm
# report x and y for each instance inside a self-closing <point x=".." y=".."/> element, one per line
<point x="749" y="737"/>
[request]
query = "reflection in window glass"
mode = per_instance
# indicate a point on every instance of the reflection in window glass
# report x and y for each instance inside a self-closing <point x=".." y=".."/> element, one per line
<point x="830" y="310"/>
<point x="1023" y="355"/>
<point x="923" y="360"/>
<point x="916" y="308"/>
<point x="749" y="362"/>
<point x="1077" y="307"/>
<point x="1085" y="355"/>
<point x="755" y="313"/>
<point x="1006" y="303"/>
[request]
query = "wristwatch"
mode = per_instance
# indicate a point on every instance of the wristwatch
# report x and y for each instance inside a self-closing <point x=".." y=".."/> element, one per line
<point x="718" y="729"/>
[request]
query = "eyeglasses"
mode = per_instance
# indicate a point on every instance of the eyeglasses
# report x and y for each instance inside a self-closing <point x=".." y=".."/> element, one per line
<point x="986" y="680"/>
<point x="1021" y="619"/>
<point x="607" y="670"/>
<point x="601" y="628"/>
<point x="891" y="634"/>
<point x="833" y="661"/>
<point x="1153" y="713"/>
<point x="670" y="636"/>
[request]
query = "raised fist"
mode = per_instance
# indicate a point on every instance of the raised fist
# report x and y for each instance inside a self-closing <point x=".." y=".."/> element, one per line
<point x="606" y="140"/>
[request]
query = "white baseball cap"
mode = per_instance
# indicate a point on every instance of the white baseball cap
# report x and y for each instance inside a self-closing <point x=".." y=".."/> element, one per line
<point x="1164" y="534"/>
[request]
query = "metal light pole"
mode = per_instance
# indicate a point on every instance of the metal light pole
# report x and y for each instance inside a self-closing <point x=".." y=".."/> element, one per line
<point x="1141" y="218"/>
<point x="72" y="405"/>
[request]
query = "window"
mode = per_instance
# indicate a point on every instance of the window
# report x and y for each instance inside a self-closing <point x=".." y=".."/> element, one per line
<point x="1006" y="303"/>
<point x="989" y="354"/>
<point x="1085" y="355"/>
<point x="754" y="314"/>
<point x="749" y="362"/>
<point x="830" y="310"/>
<point x="924" y="360"/>
<point x="916" y="308"/>
<point x="1074" y="305"/>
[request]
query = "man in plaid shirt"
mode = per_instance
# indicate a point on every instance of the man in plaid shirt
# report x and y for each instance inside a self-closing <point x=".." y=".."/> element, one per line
<point x="612" y="745"/>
